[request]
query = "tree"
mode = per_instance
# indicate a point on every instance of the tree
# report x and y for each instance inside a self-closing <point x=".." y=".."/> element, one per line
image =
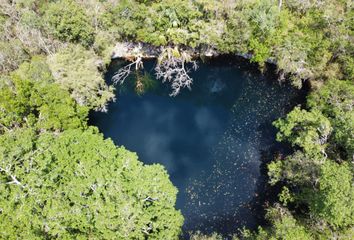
<point x="333" y="199"/>
<point x="11" y="55"/>
<point x="306" y="129"/>
<point x="22" y="33"/>
<point x="75" y="70"/>
<point x="214" y="236"/>
<point x="69" y="22"/>
<point x="288" y="228"/>
<point x="104" y="46"/>
<point x="336" y="101"/>
<point x="321" y="185"/>
<point x="35" y="70"/>
<point x="284" y="227"/>
<point x="172" y="67"/>
<point x="298" y="169"/>
<point x="28" y="98"/>
<point x="76" y="185"/>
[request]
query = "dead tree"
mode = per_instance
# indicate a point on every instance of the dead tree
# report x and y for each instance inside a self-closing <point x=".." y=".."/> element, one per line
<point x="172" y="67"/>
<point x="124" y="72"/>
<point x="14" y="180"/>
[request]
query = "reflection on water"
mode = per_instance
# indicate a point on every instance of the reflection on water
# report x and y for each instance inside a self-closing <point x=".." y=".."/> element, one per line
<point x="210" y="139"/>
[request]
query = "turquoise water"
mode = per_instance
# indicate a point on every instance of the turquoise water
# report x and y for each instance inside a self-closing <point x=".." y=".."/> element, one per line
<point x="212" y="140"/>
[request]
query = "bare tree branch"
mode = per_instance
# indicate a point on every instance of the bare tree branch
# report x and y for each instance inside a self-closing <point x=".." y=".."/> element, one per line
<point x="171" y="67"/>
<point x="150" y="199"/>
<point x="125" y="71"/>
<point x="148" y="229"/>
<point x="13" y="177"/>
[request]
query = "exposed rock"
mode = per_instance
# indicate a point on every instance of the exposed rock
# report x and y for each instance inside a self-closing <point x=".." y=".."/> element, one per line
<point x="129" y="50"/>
<point x="132" y="50"/>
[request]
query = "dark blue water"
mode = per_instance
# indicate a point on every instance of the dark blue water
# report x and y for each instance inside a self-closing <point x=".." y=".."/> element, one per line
<point x="211" y="139"/>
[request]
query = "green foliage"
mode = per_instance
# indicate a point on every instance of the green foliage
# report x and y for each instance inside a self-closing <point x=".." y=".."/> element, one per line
<point x="336" y="101"/>
<point x="275" y="172"/>
<point x="284" y="226"/>
<point x="75" y="70"/>
<point x="298" y="169"/>
<point x="69" y="22"/>
<point x="237" y="34"/>
<point x="78" y="180"/>
<point x="288" y="228"/>
<point x="348" y="65"/>
<point x="333" y="200"/>
<point x="260" y="52"/>
<point x="200" y="236"/>
<point x="322" y="185"/>
<point x="22" y="33"/>
<point x="76" y="185"/>
<point x="27" y="98"/>
<point x="36" y="70"/>
<point x="12" y="55"/>
<point x="120" y="19"/>
<point x="308" y="130"/>
<point x="103" y="46"/>
<point x="302" y="54"/>
<point x="285" y="196"/>
<point x="158" y="23"/>
<point x="306" y="40"/>
<point x="322" y="188"/>
<point x="214" y="236"/>
<point x="260" y="234"/>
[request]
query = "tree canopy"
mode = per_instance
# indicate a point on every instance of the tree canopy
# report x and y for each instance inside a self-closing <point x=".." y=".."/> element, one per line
<point x="29" y="98"/>
<point x="69" y="22"/>
<point x="319" y="175"/>
<point x="78" y="185"/>
<point x="333" y="201"/>
<point x="75" y="70"/>
<point x="60" y="179"/>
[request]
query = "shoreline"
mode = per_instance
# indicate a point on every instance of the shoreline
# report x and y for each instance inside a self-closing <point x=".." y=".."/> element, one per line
<point x="130" y="50"/>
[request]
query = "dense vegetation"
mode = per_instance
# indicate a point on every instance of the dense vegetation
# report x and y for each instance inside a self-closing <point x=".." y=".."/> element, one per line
<point x="317" y="178"/>
<point x="60" y="179"/>
<point x="77" y="185"/>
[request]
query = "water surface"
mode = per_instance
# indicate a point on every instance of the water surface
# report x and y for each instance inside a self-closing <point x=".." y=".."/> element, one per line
<point x="211" y="139"/>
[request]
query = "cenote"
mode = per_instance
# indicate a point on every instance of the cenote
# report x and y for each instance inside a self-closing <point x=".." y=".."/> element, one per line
<point x="212" y="140"/>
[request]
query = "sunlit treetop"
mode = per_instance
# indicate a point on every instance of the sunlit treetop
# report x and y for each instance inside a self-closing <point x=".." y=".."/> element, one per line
<point x="76" y="185"/>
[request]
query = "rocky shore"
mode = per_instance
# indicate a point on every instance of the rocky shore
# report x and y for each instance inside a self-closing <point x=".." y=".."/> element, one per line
<point x="131" y="50"/>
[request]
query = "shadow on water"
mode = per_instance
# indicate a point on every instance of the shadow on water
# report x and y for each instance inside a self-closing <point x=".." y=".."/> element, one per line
<point x="214" y="141"/>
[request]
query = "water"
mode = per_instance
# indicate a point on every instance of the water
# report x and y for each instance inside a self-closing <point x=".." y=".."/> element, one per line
<point x="211" y="140"/>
